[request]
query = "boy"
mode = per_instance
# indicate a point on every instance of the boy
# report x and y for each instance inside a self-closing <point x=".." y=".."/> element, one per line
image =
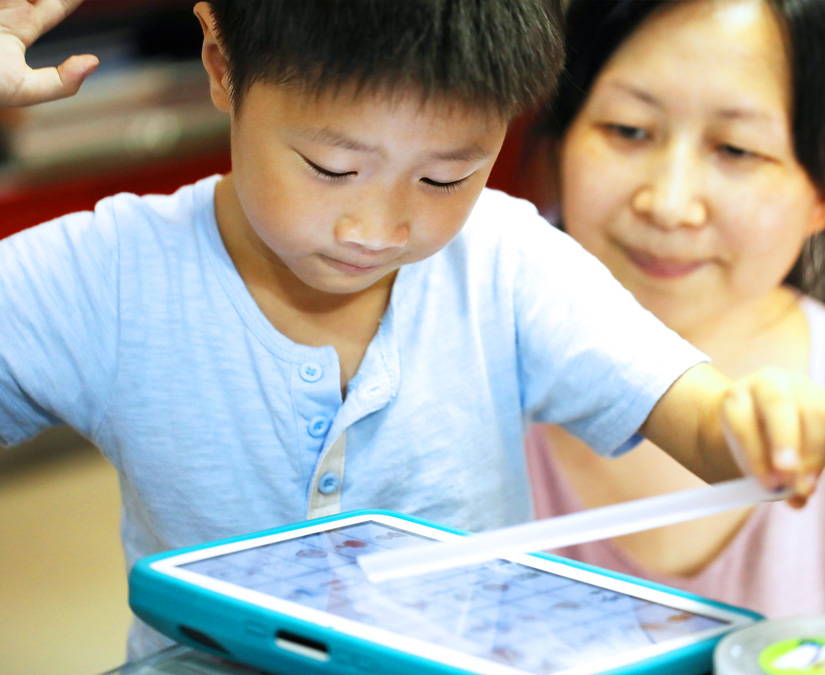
<point x="347" y="320"/>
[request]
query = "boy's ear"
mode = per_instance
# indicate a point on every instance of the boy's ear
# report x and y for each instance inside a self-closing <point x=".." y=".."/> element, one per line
<point x="214" y="59"/>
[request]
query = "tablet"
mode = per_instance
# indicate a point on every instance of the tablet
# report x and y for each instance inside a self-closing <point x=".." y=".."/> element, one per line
<point x="294" y="600"/>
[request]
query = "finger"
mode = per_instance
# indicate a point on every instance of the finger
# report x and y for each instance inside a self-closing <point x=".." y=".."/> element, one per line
<point x="779" y="420"/>
<point x="49" y="84"/>
<point x="813" y="457"/>
<point x="740" y="426"/>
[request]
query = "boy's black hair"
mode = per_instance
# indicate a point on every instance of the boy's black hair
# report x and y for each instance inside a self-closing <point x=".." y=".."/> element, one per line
<point x="498" y="55"/>
<point x="594" y="29"/>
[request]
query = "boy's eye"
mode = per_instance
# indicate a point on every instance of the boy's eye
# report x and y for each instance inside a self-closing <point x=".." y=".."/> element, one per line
<point x="447" y="187"/>
<point x="326" y="173"/>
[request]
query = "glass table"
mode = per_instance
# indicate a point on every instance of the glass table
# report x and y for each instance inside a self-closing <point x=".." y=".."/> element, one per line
<point x="180" y="660"/>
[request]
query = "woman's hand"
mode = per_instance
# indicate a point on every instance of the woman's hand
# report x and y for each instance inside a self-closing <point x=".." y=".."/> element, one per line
<point x="774" y="424"/>
<point x="21" y="23"/>
<point x="770" y="424"/>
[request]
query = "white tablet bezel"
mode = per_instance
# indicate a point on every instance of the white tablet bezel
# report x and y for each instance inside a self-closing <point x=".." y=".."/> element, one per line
<point x="170" y="566"/>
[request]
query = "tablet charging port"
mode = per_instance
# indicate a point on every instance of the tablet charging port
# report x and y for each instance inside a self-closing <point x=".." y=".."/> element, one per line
<point x="298" y="644"/>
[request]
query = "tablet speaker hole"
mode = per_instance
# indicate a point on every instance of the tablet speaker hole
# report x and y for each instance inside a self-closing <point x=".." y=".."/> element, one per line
<point x="202" y="638"/>
<point x="299" y="644"/>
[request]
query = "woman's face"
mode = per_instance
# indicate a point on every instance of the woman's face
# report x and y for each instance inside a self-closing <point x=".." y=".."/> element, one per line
<point x="679" y="171"/>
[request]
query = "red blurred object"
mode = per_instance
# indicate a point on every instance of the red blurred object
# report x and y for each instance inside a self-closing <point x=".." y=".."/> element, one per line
<point x="508" y="172"/>
<point x="38" y="202"/>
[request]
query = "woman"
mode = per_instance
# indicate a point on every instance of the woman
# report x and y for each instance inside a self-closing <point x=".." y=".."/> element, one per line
<point x="690" y="137"/>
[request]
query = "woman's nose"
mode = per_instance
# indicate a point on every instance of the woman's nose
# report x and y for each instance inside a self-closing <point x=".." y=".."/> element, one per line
<point x="672" y="195"/>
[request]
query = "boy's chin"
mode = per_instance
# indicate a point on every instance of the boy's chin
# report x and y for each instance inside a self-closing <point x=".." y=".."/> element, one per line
<point x="345" y="285"/>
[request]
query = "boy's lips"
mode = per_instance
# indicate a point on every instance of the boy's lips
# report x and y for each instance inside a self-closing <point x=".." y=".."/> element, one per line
<point x="350" y="268"/>
<point x="663" y="268"/>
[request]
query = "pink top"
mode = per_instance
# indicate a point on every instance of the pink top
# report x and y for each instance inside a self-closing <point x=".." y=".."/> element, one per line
<point x="775" y="564"/>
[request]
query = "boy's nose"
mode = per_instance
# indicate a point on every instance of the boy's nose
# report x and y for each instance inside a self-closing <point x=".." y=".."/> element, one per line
<point x="672" y="196"/>
<point x="372" y="233"/>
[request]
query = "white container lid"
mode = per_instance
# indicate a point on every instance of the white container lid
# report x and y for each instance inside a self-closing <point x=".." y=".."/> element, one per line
<point x="792" y="646"/>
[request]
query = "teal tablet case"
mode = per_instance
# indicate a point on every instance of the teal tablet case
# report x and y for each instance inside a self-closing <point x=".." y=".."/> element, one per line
<point x="246" y="633"/>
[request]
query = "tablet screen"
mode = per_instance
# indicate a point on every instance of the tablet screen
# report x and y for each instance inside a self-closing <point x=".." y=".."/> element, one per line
<point x="513" y="614"/>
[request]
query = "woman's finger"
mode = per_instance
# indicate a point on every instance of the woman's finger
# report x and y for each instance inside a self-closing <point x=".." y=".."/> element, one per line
<point x="740" y="425"/>
<point x="812" y="419"/>
<point x="778" y="414"/>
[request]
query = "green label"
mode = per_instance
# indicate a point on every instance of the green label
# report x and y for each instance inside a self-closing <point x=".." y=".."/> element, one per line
<point x="798" y="656"/>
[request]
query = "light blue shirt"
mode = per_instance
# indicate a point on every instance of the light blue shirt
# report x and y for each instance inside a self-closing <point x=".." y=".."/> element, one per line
<point x="132" y="325"/>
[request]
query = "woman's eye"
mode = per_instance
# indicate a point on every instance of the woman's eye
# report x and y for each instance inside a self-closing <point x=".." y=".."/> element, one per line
<point x="447" y="187"/>
<point x="735" y="152"/>
<point x="326" y="173"/>
<point x="628" y="132"/>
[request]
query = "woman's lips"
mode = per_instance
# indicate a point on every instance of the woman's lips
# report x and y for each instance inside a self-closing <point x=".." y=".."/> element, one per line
<point x="662" y="268"/>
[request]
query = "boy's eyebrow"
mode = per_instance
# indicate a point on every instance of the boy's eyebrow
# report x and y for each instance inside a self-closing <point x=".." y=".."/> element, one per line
<point x="328" y="136"/>
<point x="470" y="153"/>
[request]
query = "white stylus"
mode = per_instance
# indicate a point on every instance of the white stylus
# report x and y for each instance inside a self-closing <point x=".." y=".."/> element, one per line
<point x="566" y="530"/>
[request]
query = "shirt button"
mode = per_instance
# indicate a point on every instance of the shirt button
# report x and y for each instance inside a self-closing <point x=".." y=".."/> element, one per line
<point x="311" y="372"/>
<point x="318" y="426"/>
<point x="329" y="483"/>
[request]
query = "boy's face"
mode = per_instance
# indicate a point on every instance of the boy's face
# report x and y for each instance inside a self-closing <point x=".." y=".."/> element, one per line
<point x="337" y="192"/>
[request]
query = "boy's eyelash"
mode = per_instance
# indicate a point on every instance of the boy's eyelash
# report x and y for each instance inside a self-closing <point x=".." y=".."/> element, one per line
<point x="446" y="187"/>
<point x="325" y="173"/>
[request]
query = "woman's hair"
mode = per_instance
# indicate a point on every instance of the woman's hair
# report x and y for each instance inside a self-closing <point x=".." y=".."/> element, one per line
<point x="497" y="55"/>
<point x="594" y="29"/>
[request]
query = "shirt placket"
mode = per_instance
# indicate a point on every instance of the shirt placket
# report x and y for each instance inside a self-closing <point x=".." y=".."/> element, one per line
<point x="316" y="391"/>
<point x="372" y="388"/>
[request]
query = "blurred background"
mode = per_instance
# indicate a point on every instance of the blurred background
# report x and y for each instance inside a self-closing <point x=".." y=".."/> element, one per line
<point x="143" y="122"/>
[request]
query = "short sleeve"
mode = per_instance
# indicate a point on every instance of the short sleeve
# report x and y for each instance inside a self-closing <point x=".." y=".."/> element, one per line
<point x="58" y="302"/>
<point x="591" y="358"/>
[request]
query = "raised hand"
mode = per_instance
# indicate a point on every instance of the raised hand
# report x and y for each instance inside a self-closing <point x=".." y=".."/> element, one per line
<point x="21" y="23"/>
